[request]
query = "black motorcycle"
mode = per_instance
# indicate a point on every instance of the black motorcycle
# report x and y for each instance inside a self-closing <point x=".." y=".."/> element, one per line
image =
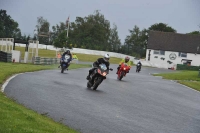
<point x="138" y="68"/>
<point x="65" y="61"/>
<point x="98" y="75"/>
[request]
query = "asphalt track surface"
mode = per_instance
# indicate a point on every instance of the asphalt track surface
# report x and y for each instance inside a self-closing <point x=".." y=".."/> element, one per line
<point x="140" y="103"/>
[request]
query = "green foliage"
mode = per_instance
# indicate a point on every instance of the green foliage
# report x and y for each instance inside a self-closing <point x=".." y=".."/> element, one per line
<point x="136" y="42"/>
<point x="186" y="67"/>
<point x="161" y="27"/>
<point x="43" y="29"/>
<point x="60" y="41"/>
<point x="8" y="27"/>
<point x="194" y="32"/>
<point x="94" y="32"/>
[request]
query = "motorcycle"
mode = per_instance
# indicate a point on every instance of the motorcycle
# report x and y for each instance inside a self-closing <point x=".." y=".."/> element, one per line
<point x="97" y="76"/>
<point x="138" y="68"/>
<point x="122" y="71"/>
<point x="65" y="63"/>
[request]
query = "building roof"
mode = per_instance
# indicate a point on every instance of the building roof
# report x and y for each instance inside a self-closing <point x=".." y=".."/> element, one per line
<point x="168" y="41"/>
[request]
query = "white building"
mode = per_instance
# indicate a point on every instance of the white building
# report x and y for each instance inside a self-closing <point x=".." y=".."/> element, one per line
<point x="167" y="49"/>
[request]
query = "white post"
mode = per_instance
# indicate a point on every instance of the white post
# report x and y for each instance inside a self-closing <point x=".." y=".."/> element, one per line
<point x="6" y="46"/>
<point x="37" y="42"/>
<point x="12" y="43"/>
<point x="1" y="44"/>
<point x="9" y="45"/>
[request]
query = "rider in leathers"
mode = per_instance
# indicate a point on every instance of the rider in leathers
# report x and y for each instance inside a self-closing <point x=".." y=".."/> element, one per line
<point x="63" y="56"/>
<point x="104" y="60"/>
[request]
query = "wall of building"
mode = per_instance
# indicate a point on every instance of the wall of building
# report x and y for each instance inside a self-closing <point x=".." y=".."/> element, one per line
<point x="177" y="60"/>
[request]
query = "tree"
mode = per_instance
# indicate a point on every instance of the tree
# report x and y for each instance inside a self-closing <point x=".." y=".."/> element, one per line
<point x="114" y="41"/>
<point x="194" y="32"/>
<point x="56" y="33"/>
<point x="8" y="27"/>
<point x="90" y="32"/>
<point x="43" y="28"/>
<point x="161" y="27"/>
<point x="60" y="41"/>
<point x="136" y="42"/>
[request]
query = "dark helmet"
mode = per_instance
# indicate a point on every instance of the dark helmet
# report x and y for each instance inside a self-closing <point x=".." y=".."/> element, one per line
<point x="68" y="52"/>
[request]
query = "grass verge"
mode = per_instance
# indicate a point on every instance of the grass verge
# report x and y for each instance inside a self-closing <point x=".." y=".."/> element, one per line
<point x="188" y="78"/>
<point x="15" y="118"/>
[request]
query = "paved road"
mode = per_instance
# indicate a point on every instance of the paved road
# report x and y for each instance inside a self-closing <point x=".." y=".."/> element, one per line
<point x="140" y="103"/>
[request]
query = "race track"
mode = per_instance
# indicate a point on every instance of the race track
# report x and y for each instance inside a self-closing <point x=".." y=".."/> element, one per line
<point x="140" y="103"/>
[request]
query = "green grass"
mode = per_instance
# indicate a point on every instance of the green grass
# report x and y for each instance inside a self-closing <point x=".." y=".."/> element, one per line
<point x="15" y="118"/>
<point x="8" y="69"/>
<point x="182" y="75"/>
<point x="193" y="84"/>
<point x="188" y="78"/>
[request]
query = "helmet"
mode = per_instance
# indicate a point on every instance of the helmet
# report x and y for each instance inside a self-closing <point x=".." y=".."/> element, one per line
<point x="67" y="51"/>
<point x="138" y="61"/>
<point x="106" y="57"/>
<point x="127" y="59"/>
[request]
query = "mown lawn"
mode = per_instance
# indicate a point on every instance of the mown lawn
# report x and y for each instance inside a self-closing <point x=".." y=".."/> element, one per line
<point x="188" y="78"/>
<point x="15" y="118"/>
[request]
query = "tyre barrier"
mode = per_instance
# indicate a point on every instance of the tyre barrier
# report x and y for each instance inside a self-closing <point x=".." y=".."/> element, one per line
<point x="5" y="57"/>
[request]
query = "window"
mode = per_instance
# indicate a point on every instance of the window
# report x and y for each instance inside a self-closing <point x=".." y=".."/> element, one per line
<point x="160" y="52"/>
<point x="180" y="54"/>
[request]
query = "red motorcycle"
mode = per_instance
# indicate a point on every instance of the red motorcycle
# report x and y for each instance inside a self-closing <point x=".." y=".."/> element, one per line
<point x="122" y="71"/>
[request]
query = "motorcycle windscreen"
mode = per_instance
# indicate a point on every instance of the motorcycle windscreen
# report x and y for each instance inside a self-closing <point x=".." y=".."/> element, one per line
<point x="66" y="58"/>
<point x="103" y="67"/>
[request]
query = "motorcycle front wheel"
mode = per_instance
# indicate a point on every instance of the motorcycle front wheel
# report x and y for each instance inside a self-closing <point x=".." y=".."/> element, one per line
<point x="96" y="83"/>
<point x="121" y="75"/>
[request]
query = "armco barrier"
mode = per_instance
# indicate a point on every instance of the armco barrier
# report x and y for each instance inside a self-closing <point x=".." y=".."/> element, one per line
<point x="45" y="61"/>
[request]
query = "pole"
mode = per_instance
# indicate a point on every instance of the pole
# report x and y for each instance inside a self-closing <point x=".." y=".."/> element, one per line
<point x="67" y="29"/>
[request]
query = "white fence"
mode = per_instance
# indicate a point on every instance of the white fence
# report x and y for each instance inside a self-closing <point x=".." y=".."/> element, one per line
<point x="82" y="51"/>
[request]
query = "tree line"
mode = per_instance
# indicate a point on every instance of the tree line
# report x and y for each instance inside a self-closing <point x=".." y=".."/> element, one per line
<point x="90" y="32"/>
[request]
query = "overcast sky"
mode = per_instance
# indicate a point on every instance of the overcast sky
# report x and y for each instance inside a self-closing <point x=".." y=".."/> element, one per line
<point x="182" y="15"/>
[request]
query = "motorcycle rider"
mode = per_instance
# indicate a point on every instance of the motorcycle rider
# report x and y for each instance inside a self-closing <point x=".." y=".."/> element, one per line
<point x="104" y="60"/>
<point x="125" y="60"/>
<point x="140" y="64"/>
<point x="67" y="52"/>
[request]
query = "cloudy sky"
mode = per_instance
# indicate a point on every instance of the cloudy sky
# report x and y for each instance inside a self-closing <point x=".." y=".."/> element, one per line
<point x="182" y="15"/>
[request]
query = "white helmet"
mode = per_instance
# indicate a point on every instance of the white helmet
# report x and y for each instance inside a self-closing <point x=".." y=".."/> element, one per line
<point x="106" y="57"/>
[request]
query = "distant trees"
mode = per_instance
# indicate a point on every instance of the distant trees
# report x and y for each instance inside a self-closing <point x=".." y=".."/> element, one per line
<point x="194" y="32"/>
<point x="162" y="27"/>
<point x="8" y="27"/>
<point x="43" y="29"/>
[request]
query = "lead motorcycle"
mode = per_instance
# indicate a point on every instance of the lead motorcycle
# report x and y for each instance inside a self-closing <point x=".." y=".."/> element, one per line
<point x="97" y="76"/>
<point x="65" y="63"/>
<point x="122" y="71"/>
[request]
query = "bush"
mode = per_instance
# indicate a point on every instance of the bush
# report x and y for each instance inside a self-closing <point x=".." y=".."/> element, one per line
<point x="186" y="67"/>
